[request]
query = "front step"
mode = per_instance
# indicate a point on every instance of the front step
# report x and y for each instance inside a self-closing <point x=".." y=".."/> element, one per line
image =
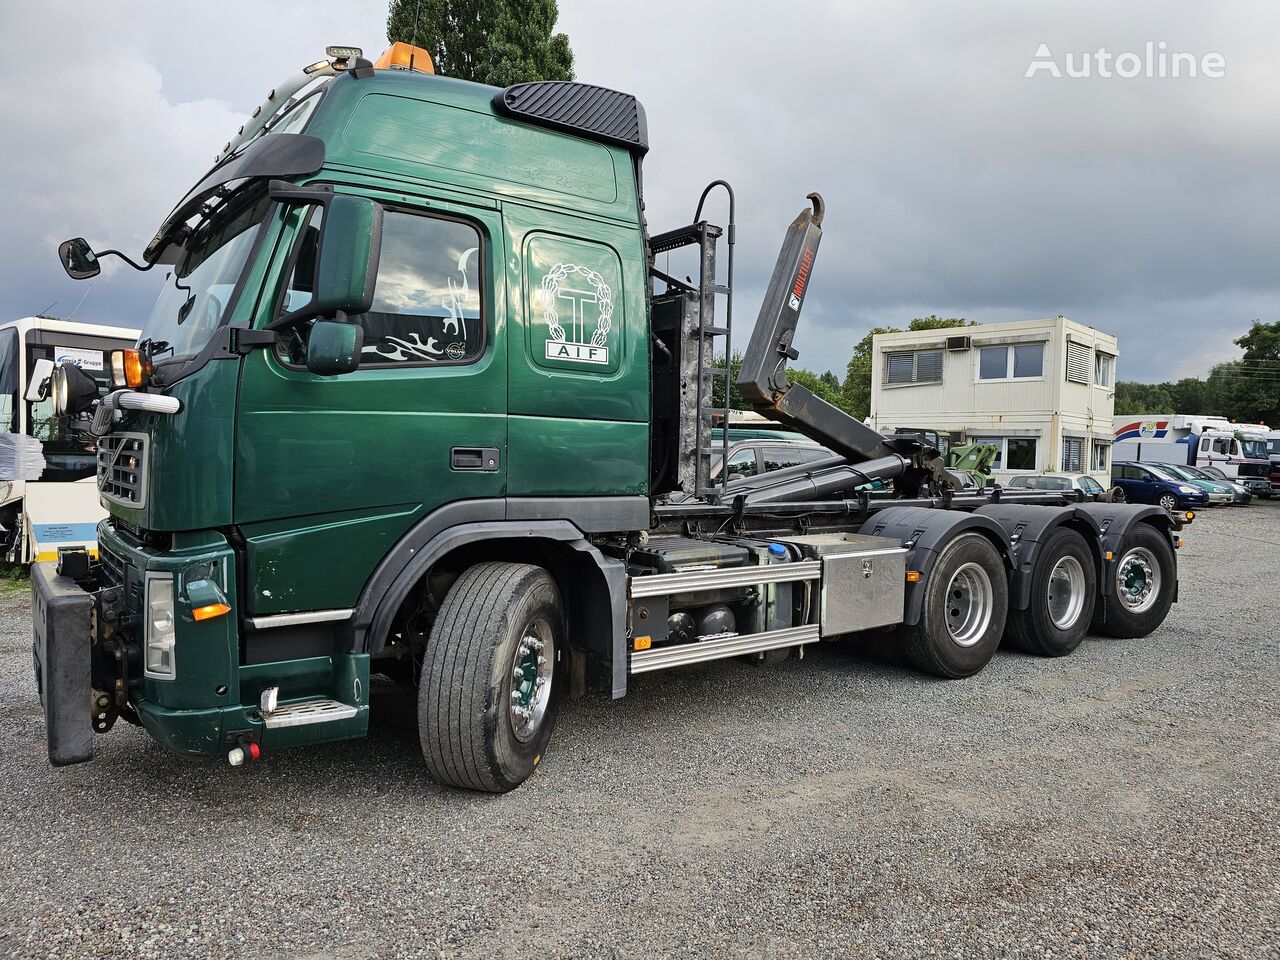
<point x="661" y="658"/>
<point x="305" y="712"/>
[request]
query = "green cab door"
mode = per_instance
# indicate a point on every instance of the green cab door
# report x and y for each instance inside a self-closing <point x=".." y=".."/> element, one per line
<point x="578" y="356"/>
<point x="330" y="471"/>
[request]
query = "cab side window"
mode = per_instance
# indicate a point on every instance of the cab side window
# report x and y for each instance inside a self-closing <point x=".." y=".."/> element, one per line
<point x="427" y="306"/>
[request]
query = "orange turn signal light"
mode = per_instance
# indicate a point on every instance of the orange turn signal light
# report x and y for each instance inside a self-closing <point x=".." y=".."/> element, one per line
<point x="210" y="610"/>
<point x="1191" y="515"/>
<point x="643" y="643"/>
<point x="914" y="576"/>
<point x="129" y="368"/>
<point x="1110" y="555"/>
<point x="405" y="56"/>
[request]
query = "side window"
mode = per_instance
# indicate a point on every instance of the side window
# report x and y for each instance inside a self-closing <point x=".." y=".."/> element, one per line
<point x="426" y="302"/>
<point x="426" y="305"/>
<point x="1222" y="446"/>
<point x="779" y="458"/>
<point x="743" y="463"/>
<point x="1204" y="444"/>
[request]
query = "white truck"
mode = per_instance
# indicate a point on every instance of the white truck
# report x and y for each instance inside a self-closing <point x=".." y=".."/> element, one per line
<point x="1239" y="450"/>
<point x="48" y="464"/>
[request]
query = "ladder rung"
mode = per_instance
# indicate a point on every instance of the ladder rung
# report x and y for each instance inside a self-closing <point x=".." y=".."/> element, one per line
<point x="714" y="331"/>
<point x="718" y="648"/>
<point x="721" y="289"/>
<point x="715" y="371"/>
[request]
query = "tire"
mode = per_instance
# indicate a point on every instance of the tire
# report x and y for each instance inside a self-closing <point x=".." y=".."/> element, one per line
<point x="1169" y="502"/>
<point x="969" y="565"/>
<point x="1064" y="590"/>
<point x="1115" y="495"/>
<point x="472" y="733"/>
<point x="1130" y="612"/>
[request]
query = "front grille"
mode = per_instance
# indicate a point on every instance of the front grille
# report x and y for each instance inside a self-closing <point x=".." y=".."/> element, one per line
<point x="122" y="468"/>
<point x="1252" y="469"/>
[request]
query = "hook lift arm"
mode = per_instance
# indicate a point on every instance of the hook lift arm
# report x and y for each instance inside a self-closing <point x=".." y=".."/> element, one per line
<point x="763" y="377"/>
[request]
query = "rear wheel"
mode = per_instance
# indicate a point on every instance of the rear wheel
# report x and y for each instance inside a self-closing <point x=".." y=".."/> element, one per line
<point x="491" y="677"/>
<point x="1063" y="592"/>
<point x="1144" y="579"/>
<point x="963" y="615"/>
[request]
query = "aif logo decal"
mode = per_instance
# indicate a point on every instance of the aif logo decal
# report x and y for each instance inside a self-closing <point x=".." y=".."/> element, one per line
<point x="578" y="307"/>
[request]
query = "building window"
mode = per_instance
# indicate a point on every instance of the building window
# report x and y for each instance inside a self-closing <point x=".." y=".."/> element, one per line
<point x="917" y="366"/>
<point x="1077" y="362"/>
<point x="1014" y="453"/>
<point x="1100" y="459"/>
<point x="1072" y="455"/>
<point x="1103" y="368"/>
<point x="1018" y="361"/>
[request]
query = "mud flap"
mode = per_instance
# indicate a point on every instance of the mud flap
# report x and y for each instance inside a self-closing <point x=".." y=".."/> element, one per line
<point x="61" y="650"/>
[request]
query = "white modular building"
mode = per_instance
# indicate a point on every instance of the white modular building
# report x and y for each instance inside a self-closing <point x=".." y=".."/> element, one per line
<point x="1043" y="391"/>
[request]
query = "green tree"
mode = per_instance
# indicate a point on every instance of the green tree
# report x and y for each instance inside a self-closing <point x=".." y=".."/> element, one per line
<point x="1255" y="381"/>
<point x="857" y="379"/>
<point x="498" y="42"/>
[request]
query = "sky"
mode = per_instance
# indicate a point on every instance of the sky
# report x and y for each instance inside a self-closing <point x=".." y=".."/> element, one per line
<point x="1145" y="206"/>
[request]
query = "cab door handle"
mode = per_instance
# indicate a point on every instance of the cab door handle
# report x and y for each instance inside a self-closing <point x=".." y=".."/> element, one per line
<point x="480" y="459"/>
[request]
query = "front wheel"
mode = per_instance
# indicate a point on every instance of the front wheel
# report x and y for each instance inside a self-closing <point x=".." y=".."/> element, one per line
<point x="1143" y="584"/>
<point x="491" y="677"/>
<point x="965" y="604"/>
<point x="1169" y="502"/>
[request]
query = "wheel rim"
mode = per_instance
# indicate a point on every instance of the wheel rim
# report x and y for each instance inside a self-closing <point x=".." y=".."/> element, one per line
<point x="1066" y="592"/>
<point x="969" y="604"/>
<point x="1168" y="502"/>
<point x="1138" y="580"/>
<point x="531" y="668"/>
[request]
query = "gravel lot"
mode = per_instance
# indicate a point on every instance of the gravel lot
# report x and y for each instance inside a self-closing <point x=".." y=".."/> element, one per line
<point x="1122" y="802"/>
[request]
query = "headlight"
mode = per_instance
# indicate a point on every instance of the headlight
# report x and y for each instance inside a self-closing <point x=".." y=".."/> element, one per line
<point x="159" y="626"/>
<point x="1187" y="488"/>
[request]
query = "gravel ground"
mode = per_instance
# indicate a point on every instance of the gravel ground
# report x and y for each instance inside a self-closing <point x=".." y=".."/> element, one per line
<point x="1122" y="802"/>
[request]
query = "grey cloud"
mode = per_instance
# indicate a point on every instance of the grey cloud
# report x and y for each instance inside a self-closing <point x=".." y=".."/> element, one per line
<point x="954" y="185"/>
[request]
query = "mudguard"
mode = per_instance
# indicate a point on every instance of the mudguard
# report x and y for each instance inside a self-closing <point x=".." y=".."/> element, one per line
<point x="1114" y="521"/>
<point x="1028" y="527"/>
<point x="925" y="532"/>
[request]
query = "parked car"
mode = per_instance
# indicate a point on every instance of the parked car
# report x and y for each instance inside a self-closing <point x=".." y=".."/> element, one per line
<point x="1239" y="492"/>
<point x="1219" y="493"/>
<point x="1058" y="481"/>
<point x="750" y="458"/>
<point x="1141" y="484"/>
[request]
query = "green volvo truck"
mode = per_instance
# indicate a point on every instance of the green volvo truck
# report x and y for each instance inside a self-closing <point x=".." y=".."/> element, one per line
<point x="416" y="405"/>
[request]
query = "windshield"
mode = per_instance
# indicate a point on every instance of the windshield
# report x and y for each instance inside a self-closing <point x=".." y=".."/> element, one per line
<point x="1164" y="471"/>
<point x="1254" y="449"/>
<point x="198" y="290"/>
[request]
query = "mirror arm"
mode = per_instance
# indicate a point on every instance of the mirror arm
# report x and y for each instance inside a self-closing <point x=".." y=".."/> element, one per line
<point x="117" y="253"/>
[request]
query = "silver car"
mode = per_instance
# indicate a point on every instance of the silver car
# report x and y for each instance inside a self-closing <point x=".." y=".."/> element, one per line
<point x="1066" y="482"/>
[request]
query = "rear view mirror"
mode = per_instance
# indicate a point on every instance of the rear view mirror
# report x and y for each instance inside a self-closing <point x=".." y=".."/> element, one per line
<point x="333" y="347"/>
<point x="350" y="244"/>
<point x="38" y="386"/>
<point x="78" y="259"/>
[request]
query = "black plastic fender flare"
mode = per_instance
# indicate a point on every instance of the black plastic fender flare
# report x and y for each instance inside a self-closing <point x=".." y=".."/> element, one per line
<point x="599" y="608"/>
<point x="1028" y="527"/>
<point x="1114" y="521"/>
<point x="925" y="531"/>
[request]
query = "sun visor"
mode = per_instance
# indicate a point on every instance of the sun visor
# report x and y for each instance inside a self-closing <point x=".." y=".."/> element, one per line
<point x="280" y="155"/>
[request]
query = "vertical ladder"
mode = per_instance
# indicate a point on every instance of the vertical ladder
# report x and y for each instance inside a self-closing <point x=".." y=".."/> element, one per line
<point x="700" y="347"/>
